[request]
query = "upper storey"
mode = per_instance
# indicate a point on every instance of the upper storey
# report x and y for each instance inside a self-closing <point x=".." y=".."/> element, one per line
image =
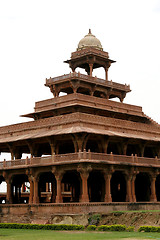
<point x="89" y="56"/>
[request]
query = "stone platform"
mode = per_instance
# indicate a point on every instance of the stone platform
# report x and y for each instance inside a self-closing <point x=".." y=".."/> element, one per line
<point x="47" y="213"/>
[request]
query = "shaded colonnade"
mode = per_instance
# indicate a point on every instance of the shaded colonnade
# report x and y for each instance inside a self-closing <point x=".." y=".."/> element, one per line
<point x="96" y="186"/>
<point x="142" y="187"/>
<point x="20" y="189"/>
<point x="47" y="189"/>
<point x="118" y="187"/>
<point x="71" y="186"/>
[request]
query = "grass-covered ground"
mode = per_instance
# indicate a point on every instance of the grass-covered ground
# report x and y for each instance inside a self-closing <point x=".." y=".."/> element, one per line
<point x="20" y="234"/>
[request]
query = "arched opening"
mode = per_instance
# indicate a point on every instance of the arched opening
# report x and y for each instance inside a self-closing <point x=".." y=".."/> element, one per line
<point x="118" y="187"/>
<point x="158" y="187"/>
<point x="71" y="186"/>
<point x="47" y="187"/>
<point x="92" y="145"/>
<point x="99" y="94"/>
<point x="83" y="91"/>
<point x="132" y="149"/>
<point x="20" y="188"/>
<point x="113" y="147"/>
<point x="149" y="152"/>
<point x="96" y="186"/>
<point x="66" y="146"/>
<point x="43" y="149"/>
<point x="142" y="187"/>
<point x="3" y="190"/>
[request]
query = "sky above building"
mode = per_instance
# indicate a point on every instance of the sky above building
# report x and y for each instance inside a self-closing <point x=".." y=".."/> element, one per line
<point x="38" y="35"/>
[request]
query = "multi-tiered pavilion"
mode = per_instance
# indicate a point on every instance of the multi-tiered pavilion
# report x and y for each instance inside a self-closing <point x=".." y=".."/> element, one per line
<point x="84" y="146"/>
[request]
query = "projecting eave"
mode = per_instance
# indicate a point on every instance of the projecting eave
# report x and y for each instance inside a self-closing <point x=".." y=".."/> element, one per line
<point x="78" y="129"/>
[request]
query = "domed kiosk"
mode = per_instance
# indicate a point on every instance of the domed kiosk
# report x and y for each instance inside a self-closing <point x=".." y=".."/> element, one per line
<point x="89" y="41"/>
<point x="90" y="55"/>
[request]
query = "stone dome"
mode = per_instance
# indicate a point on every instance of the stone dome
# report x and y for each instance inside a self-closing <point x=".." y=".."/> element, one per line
<point x="89" y="41"/>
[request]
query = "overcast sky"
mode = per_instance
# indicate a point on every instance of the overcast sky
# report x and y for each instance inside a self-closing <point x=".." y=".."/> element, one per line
<point x="36" y="36"/>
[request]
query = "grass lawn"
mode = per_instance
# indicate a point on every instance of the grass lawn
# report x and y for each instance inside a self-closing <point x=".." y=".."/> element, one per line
<point x="20" y="234"/>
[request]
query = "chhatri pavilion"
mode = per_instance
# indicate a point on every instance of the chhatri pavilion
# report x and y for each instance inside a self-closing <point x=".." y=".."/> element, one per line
<point x="85" y="149"/>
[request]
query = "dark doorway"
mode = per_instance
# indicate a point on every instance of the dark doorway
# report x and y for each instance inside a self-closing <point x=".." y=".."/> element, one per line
<point x="142" y="187"/>
<point x="118" y="187"/>
<point x="158" y="187"/>
<point x="71" y="186"/>
<point x="47" y="187"/>
<point x="96" y="186"/>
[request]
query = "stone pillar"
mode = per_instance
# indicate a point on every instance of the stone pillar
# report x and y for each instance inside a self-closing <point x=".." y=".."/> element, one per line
<point x="84" y="174"/>
<point x="106" y="71"/>
<point x="59" y="176"/>
<point x="153" y="197"/>
<point x="9" y="191"/>
<point x="107" y="177"/>
<point x="90" y="69"/>
<point x="133" y="188"/>
<point x="35" y="195"/>
<point x="128" y="188"/>
<point x="31" y="190"/>
<point x="53" y="187"/>
<point x="84" y="177"/>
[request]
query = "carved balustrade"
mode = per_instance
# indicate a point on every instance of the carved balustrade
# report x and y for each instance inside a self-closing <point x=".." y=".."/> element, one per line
<point x="80" y="157"/>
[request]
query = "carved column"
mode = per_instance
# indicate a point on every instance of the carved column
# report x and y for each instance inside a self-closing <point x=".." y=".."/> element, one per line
<point x="35" y="196"/>
<point x="107" y="177"/>
<point x="59" y="176"/>
<point x="84" y="174"/>
<point x="90" y="69"/>
<point x="128" y="188"/>
<point x="84" y="177"/>
<point x="153" y="197"/>
<point x="30" y="178"/>
<point x="106" y="71"/>
<point x="133" y="178"/>
<point x="9" y="191"/>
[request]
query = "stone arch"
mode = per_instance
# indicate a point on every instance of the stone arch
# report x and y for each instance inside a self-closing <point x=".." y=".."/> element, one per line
<point x="66" y="146"/>
<point x="113" y="147"/>
<point x="149" y="152"/>
<point x="96" y="186"/>
<point x="99" y="94"/>
<point x="157" y="184"/>
<point x="43" y="149"/>
<point x="2" y="190"/>
<point x="47" y="187"/>
<point x="71" y="186"/>
<point x="20" y="188"/>
<point x="142" y="187"/>
<point x="83" y="90"/>
<point x="132" y="149"/>
<point x="118" y="187"/>
<point x="93" y="144"/>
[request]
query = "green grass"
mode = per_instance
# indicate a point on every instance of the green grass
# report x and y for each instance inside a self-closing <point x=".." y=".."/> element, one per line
<point x="20" y="234"/>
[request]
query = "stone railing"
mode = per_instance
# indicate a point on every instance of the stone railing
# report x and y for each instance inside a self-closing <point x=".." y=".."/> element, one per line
<point x="78" y="75"/>
<point x="80" y="157"/>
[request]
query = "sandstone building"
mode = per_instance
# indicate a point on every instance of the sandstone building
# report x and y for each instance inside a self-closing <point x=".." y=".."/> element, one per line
<point x="84" y="146"/>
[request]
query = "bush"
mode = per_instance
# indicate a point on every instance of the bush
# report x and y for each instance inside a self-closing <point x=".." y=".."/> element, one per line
<point x="130" y="229"/>
<point x="91" y="227"/>
<point x="41" y="226"/>
<point x="117" y="227"/>
<point x="149" y="229"/>
<point x="104" y="228"/>
<point x="94" y="219"/>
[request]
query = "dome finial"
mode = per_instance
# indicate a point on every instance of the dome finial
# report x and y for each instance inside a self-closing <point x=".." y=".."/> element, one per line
<point x="89" y="41"/>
